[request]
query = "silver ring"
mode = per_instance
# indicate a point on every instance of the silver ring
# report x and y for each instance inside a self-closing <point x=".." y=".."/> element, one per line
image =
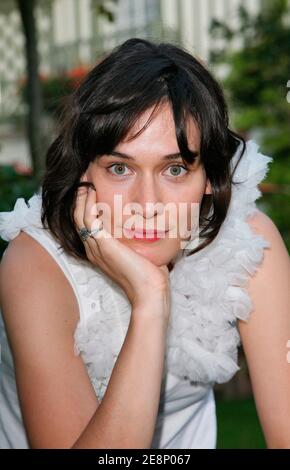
<point x="84" y="233"/>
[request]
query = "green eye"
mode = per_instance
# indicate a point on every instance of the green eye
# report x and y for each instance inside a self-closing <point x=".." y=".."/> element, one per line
<point x="118" y="166"/>
<point x="121" y="166"/>
<point x="178" y="167"/>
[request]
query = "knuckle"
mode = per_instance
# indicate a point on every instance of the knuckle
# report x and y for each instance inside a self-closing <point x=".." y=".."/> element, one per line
<point x="86" y="222"/>
<point x="81" y="192"/>
<point x="77" y="220"/>
<point x="89" y="219"/>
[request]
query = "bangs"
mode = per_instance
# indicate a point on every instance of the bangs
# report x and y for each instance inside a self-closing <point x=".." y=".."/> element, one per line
<point x="102" y="112"/>
<point x="109" y="113"/>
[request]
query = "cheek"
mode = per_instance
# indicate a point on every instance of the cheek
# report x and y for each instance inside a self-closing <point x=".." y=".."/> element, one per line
<point x="188" y="208"/>
<point x="104" y="191"/>
<point x="104" y="198"/>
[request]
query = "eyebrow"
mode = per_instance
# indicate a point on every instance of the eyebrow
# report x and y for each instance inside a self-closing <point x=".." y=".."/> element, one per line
<point x="170" y="156"/>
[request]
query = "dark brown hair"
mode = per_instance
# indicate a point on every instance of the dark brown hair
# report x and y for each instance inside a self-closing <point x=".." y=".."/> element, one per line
<point x="135" y="76"/>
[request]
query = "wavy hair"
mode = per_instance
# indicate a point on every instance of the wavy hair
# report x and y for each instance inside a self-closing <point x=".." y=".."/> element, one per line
<point x="135" y="76"/>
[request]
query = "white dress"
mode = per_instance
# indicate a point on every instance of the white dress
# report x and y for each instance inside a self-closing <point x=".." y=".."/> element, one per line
<point x="208" y="295"/>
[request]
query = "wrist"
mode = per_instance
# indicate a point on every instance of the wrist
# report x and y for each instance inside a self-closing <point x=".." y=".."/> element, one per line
<point x="156" y="308"/>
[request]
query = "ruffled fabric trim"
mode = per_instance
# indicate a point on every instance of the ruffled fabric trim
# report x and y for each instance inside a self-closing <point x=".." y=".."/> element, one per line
<point x="99" y="335"/>
<point x="208" y="291"/>
<point x="22" y="216"/>
<point x="209" y="288"/>
<point x="208" y="296"/>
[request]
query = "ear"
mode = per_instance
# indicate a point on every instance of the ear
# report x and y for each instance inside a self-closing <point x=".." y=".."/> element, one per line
<point x="208" y="189"/>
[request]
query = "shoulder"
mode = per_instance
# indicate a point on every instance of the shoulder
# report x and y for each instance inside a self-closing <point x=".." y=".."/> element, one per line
<point x="24" y="247"/>
<point x="30" y="275"/>
<point x="27" y="258"/>
<point x="40" y="314"/>
<point x="23" y="257"/>
<point x="277" y="253"/>
<point x="268" y="287"/>
<point x="266" y="334"/>
<point x="262" y="224"/>
<point x="25" y="254"/>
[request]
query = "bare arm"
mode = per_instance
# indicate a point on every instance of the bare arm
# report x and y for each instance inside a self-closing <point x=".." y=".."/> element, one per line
<point x="265" y="336"/>
<point x="59" y="406"/>
<point x="126" y="416"/>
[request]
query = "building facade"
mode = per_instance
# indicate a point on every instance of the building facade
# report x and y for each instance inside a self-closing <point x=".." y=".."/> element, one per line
<point x="72" y="33"/>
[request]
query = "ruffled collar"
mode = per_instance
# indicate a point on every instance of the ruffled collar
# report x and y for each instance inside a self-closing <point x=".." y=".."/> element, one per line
<point x="208" y="290"/>
<point x="208" y="295"/>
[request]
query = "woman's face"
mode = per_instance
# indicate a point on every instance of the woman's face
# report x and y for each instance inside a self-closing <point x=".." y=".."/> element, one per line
<point x="149" y="178"/>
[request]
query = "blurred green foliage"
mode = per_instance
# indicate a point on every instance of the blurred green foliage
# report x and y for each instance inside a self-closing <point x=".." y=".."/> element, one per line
<point x="256" y="85"/>
<point x="238" y="425"/>
<point x="13" y="186"/>
<point x="56" y="88"/>
<point x="259" y="72"/>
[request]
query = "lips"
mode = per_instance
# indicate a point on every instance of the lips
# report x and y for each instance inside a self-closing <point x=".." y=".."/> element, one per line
<point x="146" y="234"/>
<point x="149" y="233"/>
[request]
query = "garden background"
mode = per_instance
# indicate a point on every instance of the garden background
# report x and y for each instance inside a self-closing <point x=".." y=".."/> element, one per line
<point x="248" y="49"/>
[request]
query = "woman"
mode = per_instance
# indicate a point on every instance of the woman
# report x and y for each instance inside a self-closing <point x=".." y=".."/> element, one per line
<point x="116" y="341"/>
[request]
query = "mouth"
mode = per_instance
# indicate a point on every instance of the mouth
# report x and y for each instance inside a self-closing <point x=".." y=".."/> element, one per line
<point x="146" y="235"/>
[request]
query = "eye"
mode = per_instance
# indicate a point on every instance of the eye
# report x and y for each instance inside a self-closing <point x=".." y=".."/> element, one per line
<point x="121" y="166"/>
<point x="175" y="173"/>
<point x="118" y="165"/>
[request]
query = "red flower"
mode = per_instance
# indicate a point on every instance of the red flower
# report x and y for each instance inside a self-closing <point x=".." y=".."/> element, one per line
<point x="77" y="74"/>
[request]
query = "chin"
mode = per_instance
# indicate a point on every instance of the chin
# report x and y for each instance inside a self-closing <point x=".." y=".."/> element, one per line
<point x="156" y="257"/>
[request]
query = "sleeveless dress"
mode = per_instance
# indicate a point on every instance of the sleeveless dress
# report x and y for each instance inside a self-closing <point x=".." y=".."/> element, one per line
<point x="208" y="296"/>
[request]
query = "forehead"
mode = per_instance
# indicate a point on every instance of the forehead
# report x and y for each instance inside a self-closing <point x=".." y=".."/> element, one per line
<point x="159" y="135"/>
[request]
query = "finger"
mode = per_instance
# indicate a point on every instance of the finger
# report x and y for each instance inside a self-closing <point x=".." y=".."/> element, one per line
<point x="90" y="210"/>
<point x="79" y="216"/>
<point x="91" y="222"/>
<point x="80" y="207"/>
<point x="111" y="249"/>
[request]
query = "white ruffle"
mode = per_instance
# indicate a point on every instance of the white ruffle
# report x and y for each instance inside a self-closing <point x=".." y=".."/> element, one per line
<point x="209" y="288"/>
<point x="23" y="215"/>
<point x="208" y="291"/>
<point x="208" y="295"/>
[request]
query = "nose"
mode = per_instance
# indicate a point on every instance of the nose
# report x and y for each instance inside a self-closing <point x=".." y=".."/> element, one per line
<point x="149" y="197"/>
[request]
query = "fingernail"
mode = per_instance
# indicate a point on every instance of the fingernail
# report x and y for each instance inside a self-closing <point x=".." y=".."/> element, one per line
<point x="82" y="191"/>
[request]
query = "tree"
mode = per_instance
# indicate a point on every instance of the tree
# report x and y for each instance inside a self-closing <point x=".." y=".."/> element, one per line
<point x="258" y="73"/>
<point x="257" y="85"/>
<point x="35" y="108"/>
<point x="27" y="10"/>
